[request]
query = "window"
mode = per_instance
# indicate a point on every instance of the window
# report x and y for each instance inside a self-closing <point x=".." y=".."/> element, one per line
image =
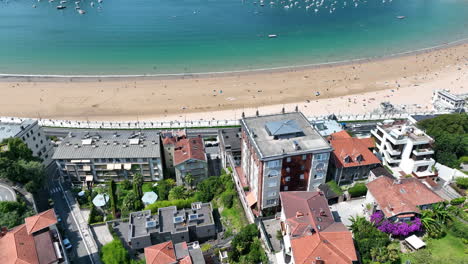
<point x="285" y="188"/>
<point x="301" y="176"/>
<point x="272" y="184"/>
<point x="288" y="170"/>
<point x="273" y="173"/>
<point x="288" y="159"/>
<point x="38" y="134"/>
<point x="42" y="141"/>
<point x="34" y="138"/>
<point x="304" y="157"/>
<point x="271" y="202"/>
<point x="319" y="175"/>
<point x="288" y="178"/>
<point x="37" y="145"/>
<point x="273" y="164"/>
<point x="271" y="194"/>
<point x="302" y="167"/>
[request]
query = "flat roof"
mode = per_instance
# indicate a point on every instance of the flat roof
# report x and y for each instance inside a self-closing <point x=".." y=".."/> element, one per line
<point x="45" y="248"/>
<point x="138" y="222"/>
<point x="109" y="144"/>
<point x="327" y="127"/>
<point x="308" y="139"/>
<point x="13" y="129"/>
<point x="230" y="137"/>
<point x="451" y="96"/>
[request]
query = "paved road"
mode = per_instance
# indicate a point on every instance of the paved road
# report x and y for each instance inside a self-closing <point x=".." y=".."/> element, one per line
<point x="6" y="193"/>
<point x="79" y="253"/>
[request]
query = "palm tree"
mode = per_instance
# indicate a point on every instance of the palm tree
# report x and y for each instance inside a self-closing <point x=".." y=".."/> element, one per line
<point x="189" y="179"/>
<point x="440" y="213"/>
<point x="356" y="223"/>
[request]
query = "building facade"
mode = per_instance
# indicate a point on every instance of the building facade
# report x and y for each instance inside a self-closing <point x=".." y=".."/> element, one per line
<point x="281" y="153"/>
<point x="170" y="224"/>
<point x="404" y="148"/>
<point x="444" y="100"/>
<point x="190" y="158"/>
<point x="109" y="155"/>
<point x="32" y="134"/>
<point x="230" y="145"/>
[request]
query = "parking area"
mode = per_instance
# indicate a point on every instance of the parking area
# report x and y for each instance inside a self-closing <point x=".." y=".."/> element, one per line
<point x="7" y="193"/>
<point x="101" y="234"/>
<point x="345" y="210"/>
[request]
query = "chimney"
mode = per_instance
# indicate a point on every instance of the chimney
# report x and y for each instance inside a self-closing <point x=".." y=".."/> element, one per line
<point x="322" y="212"/>
<point x="299" y="214"/>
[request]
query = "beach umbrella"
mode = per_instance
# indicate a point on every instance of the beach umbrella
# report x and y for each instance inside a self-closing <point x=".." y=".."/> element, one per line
<point x="101" y="200"/>
<point x="149" y="198"/>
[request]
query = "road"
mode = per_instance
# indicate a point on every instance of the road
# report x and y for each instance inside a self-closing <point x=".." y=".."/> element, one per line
<point x="6" y="193"/>
<point x="79" y="253"/>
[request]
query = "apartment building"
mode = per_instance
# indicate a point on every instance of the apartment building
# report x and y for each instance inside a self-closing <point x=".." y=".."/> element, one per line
<point x="404" y="148"/>
<point x="190" y="158"/>
<point x="281" y="152"/>
<point x="37" y="241"/>
<point x="230" y="145"/>
<point x="445" y="100"/>
<point x="100" y="156"/>
<point x="310" y="232"/>
<point x="169" y="139"/>
<point x="32" y="134"/>
<point x="170" y="224"/>
<point x="352" y="158"/>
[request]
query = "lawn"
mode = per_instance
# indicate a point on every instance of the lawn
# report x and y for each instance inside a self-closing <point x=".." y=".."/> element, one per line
<point x="447" y="248"/>
<point x="234" y="218"/>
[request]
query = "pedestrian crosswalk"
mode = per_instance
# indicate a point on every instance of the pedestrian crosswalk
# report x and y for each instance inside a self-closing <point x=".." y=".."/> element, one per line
<point x="55" y="190"/>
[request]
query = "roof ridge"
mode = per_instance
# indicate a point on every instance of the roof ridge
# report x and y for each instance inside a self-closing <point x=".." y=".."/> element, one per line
<point x="335" y="249"/>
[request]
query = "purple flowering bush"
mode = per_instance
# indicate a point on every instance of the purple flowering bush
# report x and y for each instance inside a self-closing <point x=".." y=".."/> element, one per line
<point x="397" y="228"/>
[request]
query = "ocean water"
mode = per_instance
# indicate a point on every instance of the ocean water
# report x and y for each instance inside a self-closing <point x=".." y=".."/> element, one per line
<point x="187" y="36"/>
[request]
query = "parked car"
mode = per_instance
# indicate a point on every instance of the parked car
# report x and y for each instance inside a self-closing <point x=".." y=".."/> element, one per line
<point x="67" y="243"/>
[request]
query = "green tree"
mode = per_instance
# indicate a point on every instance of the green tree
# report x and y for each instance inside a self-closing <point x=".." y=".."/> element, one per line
<point x="13" y="213"/>
<point x="114" y="253"/>
<point x="164" y="187"/>
<point x="433" y="227"/>
<point x="208" y="188"/>
<point x="126" y="184"/>
<point x="137" y="184"/>
<point x="177" y="193"/>
<point x="244" y="247"/>
<point x="112" y="198"/>
<point x="189" y="179"/>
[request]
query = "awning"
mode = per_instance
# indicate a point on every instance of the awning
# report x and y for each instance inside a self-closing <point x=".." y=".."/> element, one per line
<point x="128" y="166"/>
<point x="251" y="199"/>
<point x="415" y="242"/>
<point x="110" y="166"/>
<point x="89" y="178"/>
<point x="117" y="166"/>
<point x="86" y="168"/>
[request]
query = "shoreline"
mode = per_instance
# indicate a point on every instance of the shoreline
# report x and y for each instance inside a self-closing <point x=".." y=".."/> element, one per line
<point x="6" y="77"/>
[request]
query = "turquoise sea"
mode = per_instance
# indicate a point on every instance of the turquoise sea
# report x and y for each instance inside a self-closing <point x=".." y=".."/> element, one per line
<point x="186" y="36"/>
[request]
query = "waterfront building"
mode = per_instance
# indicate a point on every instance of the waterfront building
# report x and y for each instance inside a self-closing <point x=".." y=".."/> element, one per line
<point x="32" y="134"/>
<point x="101" y="156"/>
<point x="170" y="224"/>
<point x="445" y="100"/>
<point x="37" y="241"/>
<point x="326" y="127"/>
<point x="281" y="152"/>
<point x="169" y="139"/>
<point x="352" y="158"/>
<point x="230" y="145"/>
<point x="405" y="149"/>
<point x="190" y="158"/>
<point x="170" y="253"/>
<point x="310" y="232"/>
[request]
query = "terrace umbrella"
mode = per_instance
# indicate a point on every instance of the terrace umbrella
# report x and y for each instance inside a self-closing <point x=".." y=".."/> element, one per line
<point x="149" y="198"/>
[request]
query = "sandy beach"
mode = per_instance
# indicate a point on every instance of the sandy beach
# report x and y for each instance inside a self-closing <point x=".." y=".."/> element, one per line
<point x="345" y="89"/>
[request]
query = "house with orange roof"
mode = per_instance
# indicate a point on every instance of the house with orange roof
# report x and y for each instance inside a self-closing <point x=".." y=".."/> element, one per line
<point x="400" y="199"/>
<point x="310" y="232"/>
<point x="352" y="158"/>
<point x="37" y="241"/>
<point x="169" y="139"/>
<point x="168" y="253"/>
<point x="190" y="158"/>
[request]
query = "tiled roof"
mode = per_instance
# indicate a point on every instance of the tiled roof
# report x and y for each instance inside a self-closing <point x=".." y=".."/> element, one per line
<point x="189" y="148"/>
<point x="403" y="196"/>
<point x="357" y="150"/>
<point x="17" y="247"/>
<point x="162" y="253"/>
<point x="40" y="221"/>
<point x="313" y="230"/>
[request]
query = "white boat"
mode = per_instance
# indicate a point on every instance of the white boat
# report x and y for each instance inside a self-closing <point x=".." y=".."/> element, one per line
<point x="81" y="12"/>
<point x="401" y="17"/>
<point x="61" y="7"/>
<point x="99" y="1"/>
<point x="63" y="2"/>
<point x="272" y="36"/>
<point x="92" y="4"/>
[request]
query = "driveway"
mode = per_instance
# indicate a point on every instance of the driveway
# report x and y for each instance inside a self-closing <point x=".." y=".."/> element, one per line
<point x="345" y="210"/>
<point x="6" y="193"/>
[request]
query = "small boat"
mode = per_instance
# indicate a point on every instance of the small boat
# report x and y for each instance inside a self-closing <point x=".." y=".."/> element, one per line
<point x="99" y="1"/>
<point x="401" y="17"/>
<point x="81" y="12"/>
<point x="77" y="7"/>
<point x="272" y="36"/>
<point x="34" y="6"/>
<point x="92" y="4"/>
<point x="63" y="2"/>
<point x="61" y="7"/>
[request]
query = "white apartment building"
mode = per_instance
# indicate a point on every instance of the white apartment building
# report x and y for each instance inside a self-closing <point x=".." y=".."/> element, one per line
<point x="109" y="155"/>
<point x="444" y="100"/>
<point x="404" y="148"/>
<point x="32" y="134"/>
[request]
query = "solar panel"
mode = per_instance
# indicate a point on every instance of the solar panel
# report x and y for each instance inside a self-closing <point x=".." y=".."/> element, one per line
<point x="178" y="219"/>
<point x="150" y="224"/>
<point x="193" y="217"/>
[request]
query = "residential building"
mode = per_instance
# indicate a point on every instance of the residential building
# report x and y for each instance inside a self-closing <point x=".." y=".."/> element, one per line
<point x="169" y="139"/>
<point x="32" y="134"/>
<point x="100" y="156"/>
<point x="37" y="241"/>
<point x="230" y="145"/>
<point x="404" y="148"/>
<point x="445" y="100"/>
<point x="400" y="199"/>
<point x="281" y="152"/>
<point x="379" y="171"/>
<point x="170" y="224"/>
<point x="168" y="253"/>
<point x="327" y="127"/>
<point x="310" y="232"/>
<point x="190" y="158"/>
<point x="351" y="159"/>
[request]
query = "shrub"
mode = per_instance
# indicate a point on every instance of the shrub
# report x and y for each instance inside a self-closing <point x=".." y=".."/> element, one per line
<point x="126" y="184"/>
<point x="334" y="187"/>
<point x="95" y="216"/>
<point x="114" y="253"/>
<point x="459" y="229"/>
<point x="227" y="198"/>
<point x="458" y="201"/>
<point x="462" y="182"/>
<point x="183" y="203"/>
<point x="358" y="190"/>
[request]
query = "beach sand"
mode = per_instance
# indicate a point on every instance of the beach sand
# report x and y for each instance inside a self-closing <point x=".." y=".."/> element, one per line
<point x="347" y="89"/>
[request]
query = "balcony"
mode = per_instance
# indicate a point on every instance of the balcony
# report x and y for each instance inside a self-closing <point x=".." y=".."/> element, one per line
<point x="422" y="152"/>
<point x="391" y="150"/>
<point x="390" y="159"/>
<point x="424" y="162"/>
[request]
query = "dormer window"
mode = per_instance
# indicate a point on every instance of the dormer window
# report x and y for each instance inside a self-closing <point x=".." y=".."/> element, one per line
<point x="360" y="158"/>
<point x="347" y="159"/>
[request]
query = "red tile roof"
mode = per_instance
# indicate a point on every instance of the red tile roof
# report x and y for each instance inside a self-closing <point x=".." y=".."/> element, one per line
<point x="314" y="233"/>
<point x="404" y="197"/>
<point x="40" y="221"/>
<point x="347" y="146"/>
<point x="163" y="253"/>
<point x="17" y="247"/>
<point x="186" y="260"/>
<point x="189" y="148"/>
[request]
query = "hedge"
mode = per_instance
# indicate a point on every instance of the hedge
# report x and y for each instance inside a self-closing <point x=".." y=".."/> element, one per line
<point x="181" y="203"/>
<point x="458" y="201"/>
<point x="359" y="189"/>
<point x="462" y="182"/>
